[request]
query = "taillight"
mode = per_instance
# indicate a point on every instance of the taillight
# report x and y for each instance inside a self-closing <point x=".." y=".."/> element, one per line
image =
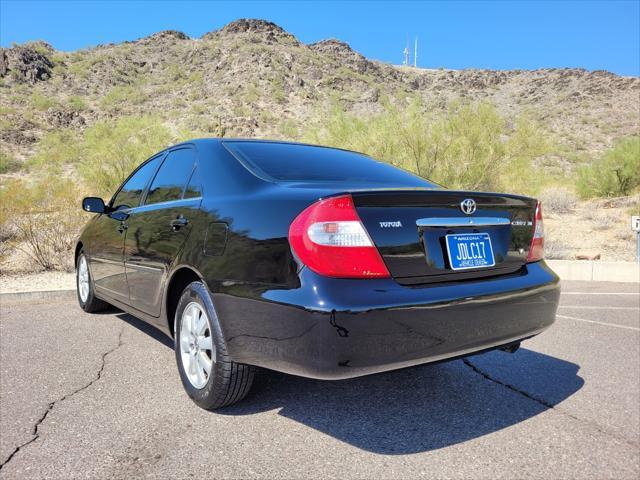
<point x="329" y="238"/>
<point x="536" y="250"/>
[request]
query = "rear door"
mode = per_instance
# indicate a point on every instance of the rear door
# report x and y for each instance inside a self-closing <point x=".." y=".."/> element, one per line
<point x="107" y="248"/>
<point x="159" y="227"/>
<point x="441" y="235"/>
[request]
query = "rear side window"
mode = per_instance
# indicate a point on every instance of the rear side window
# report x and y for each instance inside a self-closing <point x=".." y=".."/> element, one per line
<point x="131" y="192"/>
<point x="286" y="162"/>
<point x="172" y="177"/>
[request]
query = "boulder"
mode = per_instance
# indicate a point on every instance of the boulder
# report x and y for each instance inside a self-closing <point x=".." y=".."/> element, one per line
<point x="25" y="63"/>
<point x="588" y="256"/>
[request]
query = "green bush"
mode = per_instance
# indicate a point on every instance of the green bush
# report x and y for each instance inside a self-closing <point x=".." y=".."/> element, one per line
<point x="8" y="164"/>
<point x="112" y="149"/>
<point x="55" y="149"/>
<point x="121" y="96"/>
<point x="41" y="102"/>
<point x="469" y="146"/>
<point x="77" y="103"/>
<point x="616" y="173"/>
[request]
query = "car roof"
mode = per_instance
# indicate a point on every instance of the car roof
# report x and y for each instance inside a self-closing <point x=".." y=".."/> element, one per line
<point x="220" y="140"/>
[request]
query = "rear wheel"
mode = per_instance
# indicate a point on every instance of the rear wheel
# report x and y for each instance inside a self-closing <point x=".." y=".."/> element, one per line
<point x="208" y="375"/>
<point x="84" y="287"/>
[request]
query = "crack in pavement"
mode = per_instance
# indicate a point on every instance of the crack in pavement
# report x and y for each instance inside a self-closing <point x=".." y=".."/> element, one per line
<point x="548" y="405"/>
<point x="36" y="426"/>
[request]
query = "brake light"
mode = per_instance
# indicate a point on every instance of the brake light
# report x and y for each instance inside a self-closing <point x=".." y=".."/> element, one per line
<point x="536" y="250"/>
<point x="329" y="238"/>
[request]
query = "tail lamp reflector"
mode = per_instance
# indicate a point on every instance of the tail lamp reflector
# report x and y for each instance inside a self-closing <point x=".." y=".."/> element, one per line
<point x="330" y="239"/>
<point x="536" y="250"/>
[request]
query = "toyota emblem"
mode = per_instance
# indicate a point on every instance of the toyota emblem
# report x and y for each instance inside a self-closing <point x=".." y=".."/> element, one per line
<point x="468" y="206"/>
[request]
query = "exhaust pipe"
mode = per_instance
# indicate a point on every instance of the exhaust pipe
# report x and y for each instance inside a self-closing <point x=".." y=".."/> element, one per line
<point x="511" y="348"/>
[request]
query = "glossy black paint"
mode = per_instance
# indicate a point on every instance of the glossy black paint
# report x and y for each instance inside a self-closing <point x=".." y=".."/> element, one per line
<point x="278" y="314"/>
<point x="417" y="255"/>
<point x="93" y="205"/>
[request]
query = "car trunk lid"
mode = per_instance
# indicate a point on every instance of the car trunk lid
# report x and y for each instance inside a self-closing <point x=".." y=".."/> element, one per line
<point x="418" y="233"/>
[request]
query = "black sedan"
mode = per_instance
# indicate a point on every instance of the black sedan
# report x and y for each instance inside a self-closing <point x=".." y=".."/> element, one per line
<point x="312" y="261"/>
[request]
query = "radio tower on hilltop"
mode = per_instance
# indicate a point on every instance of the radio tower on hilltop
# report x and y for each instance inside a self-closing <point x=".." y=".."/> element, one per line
<point x="406" y="55"/>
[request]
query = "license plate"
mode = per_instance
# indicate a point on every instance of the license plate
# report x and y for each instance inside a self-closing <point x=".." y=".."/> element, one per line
<point x="469" y="250"/>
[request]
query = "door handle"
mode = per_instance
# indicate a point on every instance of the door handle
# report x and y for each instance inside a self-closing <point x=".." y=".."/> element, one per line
<point x="178" y="223"/>
<point x="122" y="227"/>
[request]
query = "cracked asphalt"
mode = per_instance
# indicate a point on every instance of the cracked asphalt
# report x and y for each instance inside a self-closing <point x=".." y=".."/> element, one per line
<point x="98" y="396"/>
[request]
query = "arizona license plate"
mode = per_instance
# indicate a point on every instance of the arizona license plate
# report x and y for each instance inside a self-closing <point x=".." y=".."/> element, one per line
<point x="469" y="250"/>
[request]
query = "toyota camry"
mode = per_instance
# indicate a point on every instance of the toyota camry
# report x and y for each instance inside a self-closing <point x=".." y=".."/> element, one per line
<point x="312" y="261"/>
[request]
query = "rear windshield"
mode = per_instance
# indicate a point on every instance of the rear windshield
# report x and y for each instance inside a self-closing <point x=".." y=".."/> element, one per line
<point x="287" y="162"/>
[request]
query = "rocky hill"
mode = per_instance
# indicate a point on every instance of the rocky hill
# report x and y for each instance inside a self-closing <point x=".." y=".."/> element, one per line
<point x="252" y="78"/>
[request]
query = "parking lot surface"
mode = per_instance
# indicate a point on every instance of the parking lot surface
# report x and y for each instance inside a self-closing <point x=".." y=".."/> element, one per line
<point x="98" y="396"/>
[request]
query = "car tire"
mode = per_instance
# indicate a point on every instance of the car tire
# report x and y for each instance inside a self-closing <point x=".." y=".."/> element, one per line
<point x="84" y="287"/>
<point x="199" y="344"/>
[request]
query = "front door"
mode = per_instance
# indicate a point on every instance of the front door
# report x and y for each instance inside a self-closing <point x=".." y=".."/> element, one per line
<point x="106" y="257"/>
<point x="158" y="229"/>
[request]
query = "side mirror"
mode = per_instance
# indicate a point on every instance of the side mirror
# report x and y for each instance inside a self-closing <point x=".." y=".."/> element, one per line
<point x="93" y="205"/>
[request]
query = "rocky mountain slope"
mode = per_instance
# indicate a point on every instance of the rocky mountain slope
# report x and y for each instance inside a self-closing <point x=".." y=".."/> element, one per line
<point x="252" y="78"/>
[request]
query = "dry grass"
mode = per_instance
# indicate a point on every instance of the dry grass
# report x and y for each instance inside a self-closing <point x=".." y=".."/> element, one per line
<point x="558" y="200"/>
<point x="602" y="221"/>
<point x="556" y="250"/>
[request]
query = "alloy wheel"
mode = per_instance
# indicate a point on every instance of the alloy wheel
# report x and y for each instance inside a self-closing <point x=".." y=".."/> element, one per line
<point x="83" y="279"/>
<point x="196" y="345"/>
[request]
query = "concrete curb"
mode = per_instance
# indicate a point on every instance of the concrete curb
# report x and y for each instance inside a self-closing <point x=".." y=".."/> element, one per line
<point x="596" y="271"/>
<point x="22" y="297"/>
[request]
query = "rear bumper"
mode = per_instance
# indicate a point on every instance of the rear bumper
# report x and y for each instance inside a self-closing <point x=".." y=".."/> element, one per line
<point x="337" y="328"/>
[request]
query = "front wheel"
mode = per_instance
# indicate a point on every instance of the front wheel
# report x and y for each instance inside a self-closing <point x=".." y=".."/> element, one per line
<point x="208" y="375"/>
<point x="84" y="287"/>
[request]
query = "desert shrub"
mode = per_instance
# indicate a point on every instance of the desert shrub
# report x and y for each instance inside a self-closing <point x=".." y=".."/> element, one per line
<point x="121" y="96"/>
<point x="616" y="173"/>
<point x="41" y="102"/>
<point x="555" y="250"/>
<point x="42" y="220"/>
<point x="6" y="242"/>
<point x="80" y="67"/>
<point x="251" y="93"/>
<point x="468" y="146"/>
<point x="77" y="103"/>
<point x="56" y="148"/>
<point x="558" y="200"/>
<point x="277" y="90"/>
<point x="526" y="145"/>
<point x="7" y="110"/>
<point x="110" y="150"/>
<point x="15" y="198"/>
<point x="9" y="164"/>
<point x="602" y="221"/>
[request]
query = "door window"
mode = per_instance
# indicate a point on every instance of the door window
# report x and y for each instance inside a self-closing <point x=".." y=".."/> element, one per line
<point x="171" y="179"/>
<point x="131" y="192"/>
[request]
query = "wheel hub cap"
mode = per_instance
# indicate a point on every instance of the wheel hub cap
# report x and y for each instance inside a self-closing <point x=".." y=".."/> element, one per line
<point x="83" y="279"/>
<point x="197" y="351"/>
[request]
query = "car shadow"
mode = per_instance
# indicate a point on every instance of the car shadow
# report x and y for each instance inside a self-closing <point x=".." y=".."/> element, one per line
<point x="144" y="327"/>
<point x="414" y="409"/>
<point x="421" y="408"/>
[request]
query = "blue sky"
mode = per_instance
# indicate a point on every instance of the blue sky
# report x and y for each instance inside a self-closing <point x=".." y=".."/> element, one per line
<point x="500" y="35"/>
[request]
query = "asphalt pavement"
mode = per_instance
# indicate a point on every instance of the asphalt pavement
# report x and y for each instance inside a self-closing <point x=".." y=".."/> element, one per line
<point x="98" y="396"/>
